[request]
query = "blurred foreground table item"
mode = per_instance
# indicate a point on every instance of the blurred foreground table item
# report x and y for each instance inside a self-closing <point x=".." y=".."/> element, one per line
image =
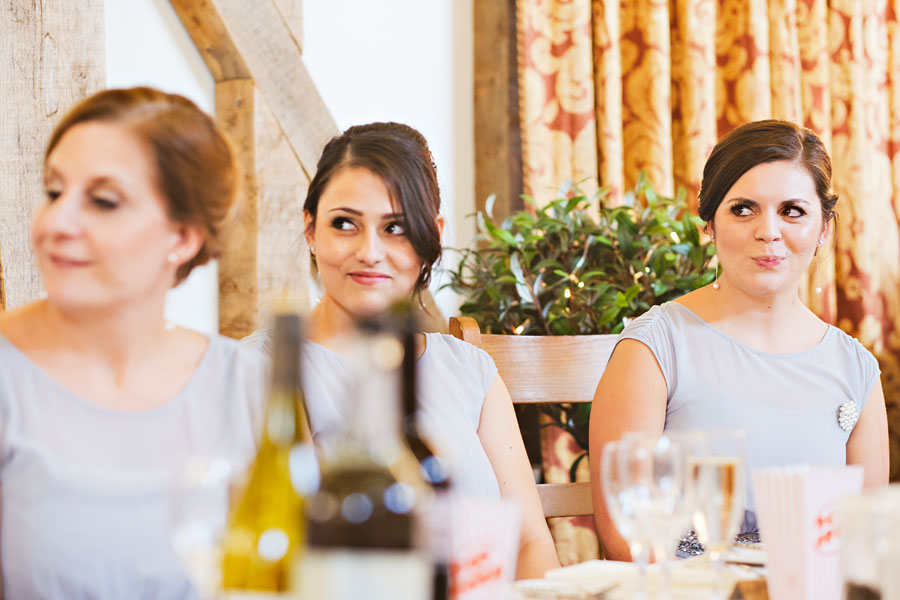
<point x="692" y="579"/>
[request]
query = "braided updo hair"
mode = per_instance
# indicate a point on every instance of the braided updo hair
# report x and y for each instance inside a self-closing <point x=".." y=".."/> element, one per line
<point x="399" y="156"/>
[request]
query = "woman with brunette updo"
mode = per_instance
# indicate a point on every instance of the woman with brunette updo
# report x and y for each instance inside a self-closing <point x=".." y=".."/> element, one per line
<point x="744" y="352"/>
<point x="103" y="403"/>
<point x="373" y="226"/>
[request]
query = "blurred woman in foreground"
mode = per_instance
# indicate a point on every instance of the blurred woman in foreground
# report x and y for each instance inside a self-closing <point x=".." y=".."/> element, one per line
<point x="101" y="401"/>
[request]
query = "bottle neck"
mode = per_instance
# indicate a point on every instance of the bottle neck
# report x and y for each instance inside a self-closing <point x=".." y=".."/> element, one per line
<point x="285" y="419"/>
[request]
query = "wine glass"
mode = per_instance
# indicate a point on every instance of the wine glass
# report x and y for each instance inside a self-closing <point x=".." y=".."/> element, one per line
<point x="716" y="469"/>
<point x="666" y="496"/>
<point x="620" y="496"/>
<point x="644" y="483"/>
<point x="198" y="515"/>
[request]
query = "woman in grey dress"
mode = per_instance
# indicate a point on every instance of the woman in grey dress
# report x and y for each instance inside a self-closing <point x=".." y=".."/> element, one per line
<point x="744" y="352"/>
<point x="102" y="402"/>
<point x="373" y="224"/>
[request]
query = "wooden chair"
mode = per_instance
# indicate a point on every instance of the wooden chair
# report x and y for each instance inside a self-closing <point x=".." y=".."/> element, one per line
<point x="546" y="369"/>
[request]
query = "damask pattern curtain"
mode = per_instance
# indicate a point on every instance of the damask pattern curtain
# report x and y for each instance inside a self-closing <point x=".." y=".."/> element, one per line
<point x="609" y="88"/>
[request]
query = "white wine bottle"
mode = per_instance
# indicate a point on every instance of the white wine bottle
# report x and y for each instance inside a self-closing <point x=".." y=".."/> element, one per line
<point x="363" y="521"/>
<point x="266" y="528"/>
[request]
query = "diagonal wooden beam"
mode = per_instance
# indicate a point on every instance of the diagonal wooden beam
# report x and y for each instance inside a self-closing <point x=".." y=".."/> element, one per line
<point x="258" y="34"/>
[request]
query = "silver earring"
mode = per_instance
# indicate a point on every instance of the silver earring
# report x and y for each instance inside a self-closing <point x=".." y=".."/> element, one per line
<point x="172" y="257"/>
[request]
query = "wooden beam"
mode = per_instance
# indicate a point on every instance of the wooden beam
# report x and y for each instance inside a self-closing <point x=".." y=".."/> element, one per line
<point x="292" y="11"/>
<point x="258" y="34"/>
<point x="52" y="54"/>
<point x="238" y="284"/>
<point x="284" y="265"/>
<point x="498" y="139"/>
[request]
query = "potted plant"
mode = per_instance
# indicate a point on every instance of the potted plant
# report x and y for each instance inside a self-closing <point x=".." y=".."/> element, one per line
<point x="579" y="265"/>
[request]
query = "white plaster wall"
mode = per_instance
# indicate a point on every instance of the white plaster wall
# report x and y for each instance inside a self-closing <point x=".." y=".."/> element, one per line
<point x="400" y="60"/>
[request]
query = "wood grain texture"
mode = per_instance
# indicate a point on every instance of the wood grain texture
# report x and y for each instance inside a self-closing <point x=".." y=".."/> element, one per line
<point x="258" y="34"/>
<point x="283" y="257"/>
<point x="51" y="55"/>
<point x="566" y="499"/>
<point x="238" y="286"/>
<point x="211" y="37"/>
<point x="498" y="142"/>
<point x="292" y="12"/>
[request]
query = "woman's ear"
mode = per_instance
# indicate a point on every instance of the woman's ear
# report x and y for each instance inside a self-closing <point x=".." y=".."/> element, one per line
<point x="826" y="229"/>
<point x="309" y="230"/>
<point x="439" y="220"/>
<point x="186" y="242"/>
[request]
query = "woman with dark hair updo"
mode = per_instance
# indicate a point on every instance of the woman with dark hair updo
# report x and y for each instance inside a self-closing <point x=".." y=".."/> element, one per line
<point x="373" y="226"/>
<point x="102" y="402"/>
<point x="744" y="352"/>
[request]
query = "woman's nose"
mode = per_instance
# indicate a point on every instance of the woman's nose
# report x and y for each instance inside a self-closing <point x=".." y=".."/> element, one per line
<point x="62" y="216"/>
<point x="371" y="247"/>
<point x="768" y="227"/>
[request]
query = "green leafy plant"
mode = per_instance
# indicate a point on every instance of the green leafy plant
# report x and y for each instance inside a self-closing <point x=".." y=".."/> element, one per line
<point x="580" y="266"/>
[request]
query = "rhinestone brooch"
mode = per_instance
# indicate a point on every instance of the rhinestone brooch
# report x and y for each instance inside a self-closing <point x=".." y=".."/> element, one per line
<point x="848" y="415"/>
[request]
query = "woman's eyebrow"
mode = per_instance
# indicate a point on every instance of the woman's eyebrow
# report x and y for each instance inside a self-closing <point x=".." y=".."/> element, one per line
<point x="352" y="211"/>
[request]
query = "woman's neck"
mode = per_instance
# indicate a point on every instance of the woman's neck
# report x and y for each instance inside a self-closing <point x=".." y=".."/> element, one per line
<point x="119" y="337"/>
<point x="327" y="321"/>
<point x="776" y="323"/>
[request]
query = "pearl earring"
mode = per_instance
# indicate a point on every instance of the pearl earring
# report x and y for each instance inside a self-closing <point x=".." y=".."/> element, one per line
<point x="716" y="282"/>
<point x="818" y="288"/>
<point x="172" y="257"/>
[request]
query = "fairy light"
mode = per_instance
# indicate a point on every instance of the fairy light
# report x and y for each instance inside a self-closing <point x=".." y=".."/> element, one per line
<point x="567" y="293"/>
<point x="520" y="329"/>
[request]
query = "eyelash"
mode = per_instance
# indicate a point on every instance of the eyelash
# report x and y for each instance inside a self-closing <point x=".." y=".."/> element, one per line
<point x="339" y="222"/>
<point x="738" y="209"/>
<point x="104" y="204"/>
<point x="101" y="203"/>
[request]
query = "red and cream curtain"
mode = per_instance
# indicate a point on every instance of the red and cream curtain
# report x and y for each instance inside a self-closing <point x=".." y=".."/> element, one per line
<point x="612" y="87"/>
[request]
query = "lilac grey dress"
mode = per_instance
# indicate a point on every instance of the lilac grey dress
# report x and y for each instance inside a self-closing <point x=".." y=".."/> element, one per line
<point x="787" y="403"/>
<point x="86" y="490"/>
<point x="454" y="378"/>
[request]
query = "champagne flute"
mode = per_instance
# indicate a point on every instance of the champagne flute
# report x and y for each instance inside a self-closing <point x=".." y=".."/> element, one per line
<point x="716" y="468"/>
<point x="621" y="503"/>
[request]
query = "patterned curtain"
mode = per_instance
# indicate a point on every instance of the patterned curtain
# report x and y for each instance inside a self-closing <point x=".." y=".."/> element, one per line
<point x="609" y="88"/>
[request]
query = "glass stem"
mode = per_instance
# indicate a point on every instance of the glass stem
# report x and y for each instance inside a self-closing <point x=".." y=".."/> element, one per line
<point x="719" y="591"/>
<point x="640" y="555"/>
<point x="661" y="557"/>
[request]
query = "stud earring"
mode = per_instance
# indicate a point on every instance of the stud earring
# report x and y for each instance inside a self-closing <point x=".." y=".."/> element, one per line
<point x="172" y="257"/>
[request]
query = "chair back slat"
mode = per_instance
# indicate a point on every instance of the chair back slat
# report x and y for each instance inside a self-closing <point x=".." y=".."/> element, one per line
<point x="550" y="368"/>
<point x="566" y="499"/>
<point x="546" y="369"/>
